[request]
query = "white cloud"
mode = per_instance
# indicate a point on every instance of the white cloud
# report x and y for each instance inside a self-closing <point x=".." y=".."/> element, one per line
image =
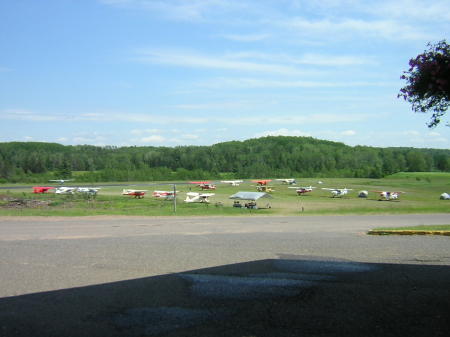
<point x="252" y="83"/>
<point x="182" y="10"/>
<point x="247" y="38"/>
<point x="282" y="132"/>
<point x="417" y="10"/>
<point x="153" y="139"/>
<point x="184" y="58"/>
<point x="189" y="136"/>
<point x="348" y="133"/>
<point x="348" y="28"/>
<point x="138" y="132"/>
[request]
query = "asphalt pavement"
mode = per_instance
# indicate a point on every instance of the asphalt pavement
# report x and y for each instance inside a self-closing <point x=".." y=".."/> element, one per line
<point x="222" y="276"/>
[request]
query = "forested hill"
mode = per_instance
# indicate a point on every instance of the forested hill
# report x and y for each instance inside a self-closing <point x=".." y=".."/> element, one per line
<point x="262" y="157"/>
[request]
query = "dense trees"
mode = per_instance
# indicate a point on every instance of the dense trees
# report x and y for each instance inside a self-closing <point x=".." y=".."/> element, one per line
<point x="428" y="81"/>
<point x="253" y="158"/>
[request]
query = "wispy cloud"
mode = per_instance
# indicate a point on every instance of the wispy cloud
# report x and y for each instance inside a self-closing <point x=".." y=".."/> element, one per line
<point x="242" y="83"/>
<point x="165" y="119"/>
<point x="344" y="29"/>
<point x="348" y="133"/>
<point x="152" y="139"/>
<point x="185" y="58"/>
<point x="283" y="132"/>
<point x="246" y="37"/>
<point x="181" y="10"/>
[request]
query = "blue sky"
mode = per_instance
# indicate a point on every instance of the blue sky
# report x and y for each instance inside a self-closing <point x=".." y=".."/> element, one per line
<point x="199" y="72"/>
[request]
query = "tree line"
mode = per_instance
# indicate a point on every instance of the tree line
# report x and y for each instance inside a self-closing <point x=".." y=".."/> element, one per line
<point x="279" y="156"/>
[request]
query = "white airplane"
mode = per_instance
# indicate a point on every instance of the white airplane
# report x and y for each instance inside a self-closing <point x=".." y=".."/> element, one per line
<point x="61" y="181"/>
<point x="167" y="195"/>
<point x="198" y="197"/>
<point x="387" y="195"/>
<point x="139" y="194"/>
<point x="287" y="181"/>
<point x="338" y="192"/>
<point x="88" y="190"/>
<point x="232" y="182"/>
<point x="65" y="190"/>
<point x="445" y="196"/>
<point x="303" y="190"/>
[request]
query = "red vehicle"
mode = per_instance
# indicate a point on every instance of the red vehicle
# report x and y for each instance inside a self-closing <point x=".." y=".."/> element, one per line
<point x="204" y="185"/>
<point x="262" y="182"/>
<point x="42" y="189"/>
<point x="138" y="194"/>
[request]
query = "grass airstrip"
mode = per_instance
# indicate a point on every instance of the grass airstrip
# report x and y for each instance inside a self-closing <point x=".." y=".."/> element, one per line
<point x="421" y="195"/>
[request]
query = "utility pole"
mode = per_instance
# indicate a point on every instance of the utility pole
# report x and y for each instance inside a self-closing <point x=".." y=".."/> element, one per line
<point x="174" y="198"/>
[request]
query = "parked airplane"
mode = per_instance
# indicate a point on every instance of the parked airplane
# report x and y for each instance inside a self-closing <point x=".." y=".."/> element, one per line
<point x="303" y="190"/>
<point x="138" y="194"/>
<point x="65" y="190"/>
<point x="88" y="190"/>
<point x="61" y="181"/>
<point x="338" y="192"/>
<point x="387" y="195"/>
<point x="41" y="189"/>
<point x="287" y="181"/>
<point x="198" y="197"/>
<point x="261" y="185"/>
<point x="232" y="182"/>
<point x="166" y="195"/>
<point x="262" y="181"/>
<point x="204" y="185"/>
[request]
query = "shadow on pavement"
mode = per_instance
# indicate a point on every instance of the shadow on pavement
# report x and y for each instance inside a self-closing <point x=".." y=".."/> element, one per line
<point x="290" y="296"/>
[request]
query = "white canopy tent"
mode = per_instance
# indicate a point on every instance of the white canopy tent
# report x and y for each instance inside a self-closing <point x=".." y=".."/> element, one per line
<point x="250" y="195"/>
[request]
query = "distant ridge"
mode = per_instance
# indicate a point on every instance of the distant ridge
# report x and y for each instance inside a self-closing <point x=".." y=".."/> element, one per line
<point x="271" y="156"/>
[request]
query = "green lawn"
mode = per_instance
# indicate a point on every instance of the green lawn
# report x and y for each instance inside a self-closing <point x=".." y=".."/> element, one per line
<point x="417" y="228"/>
<point x="422" y="191"/>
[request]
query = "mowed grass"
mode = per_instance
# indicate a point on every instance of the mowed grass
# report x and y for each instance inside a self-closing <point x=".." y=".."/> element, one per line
<point x="422" y="191"/>
<point x="444" y="228"/>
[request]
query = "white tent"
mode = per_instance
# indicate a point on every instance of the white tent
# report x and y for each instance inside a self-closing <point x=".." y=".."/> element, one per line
<point x="250" y="195"/>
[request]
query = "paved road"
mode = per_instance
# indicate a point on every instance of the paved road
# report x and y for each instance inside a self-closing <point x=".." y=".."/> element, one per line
<point x="258" y="255"/>
<point x="46" y="253"/>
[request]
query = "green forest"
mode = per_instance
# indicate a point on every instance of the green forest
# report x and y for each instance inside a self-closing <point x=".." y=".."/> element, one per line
<point x="280" y="156"/>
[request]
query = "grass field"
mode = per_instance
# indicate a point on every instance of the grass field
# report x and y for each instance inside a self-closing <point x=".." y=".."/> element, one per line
<point x="422" y="191"/>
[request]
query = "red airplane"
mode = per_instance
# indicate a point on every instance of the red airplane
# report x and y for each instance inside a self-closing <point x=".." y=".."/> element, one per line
<point x="139" y="194"/>
<point x="41" y="189"/>
<point x="204" y="185"/>
<point x="262" y="181"/>
<point x="303" y="190"/>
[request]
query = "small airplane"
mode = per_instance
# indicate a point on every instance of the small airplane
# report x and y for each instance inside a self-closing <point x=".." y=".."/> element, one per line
<point x="287" y="181"/>
<point x="303" y="190"/>
<point x="387" y="195"/>
<point x="232" y="182"/>
<point x="88" y="190"/>
<point x="198" y="197"/>
<point x="338" y="192"/>
<point x="61" y="181"/>
<point x="262" y="181"/>
<point x="265" y="188"/>
<point x="204" y="185"/>
<point x="65" y="190"/>
<point x="41" y="189"/>
<point x="138" y="194"/>
<point x="261" y="185"/>
<point x="166" y="195"/>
